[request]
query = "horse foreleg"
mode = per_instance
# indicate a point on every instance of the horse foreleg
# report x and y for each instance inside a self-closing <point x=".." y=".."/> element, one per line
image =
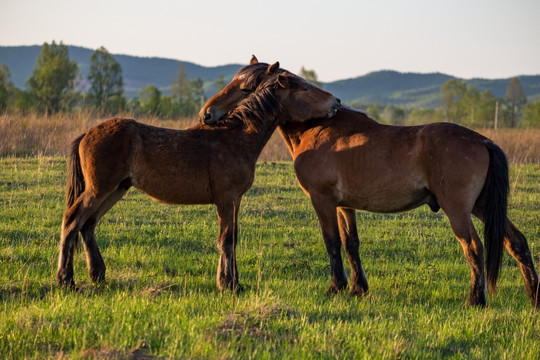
<point x="351" y="243"/>
<point x="94" y="260"/>
<point x="227" y="272"/>
<point x="327" y="214"/>
<point x="474" y="253"/>
<point x="517" y="246"/>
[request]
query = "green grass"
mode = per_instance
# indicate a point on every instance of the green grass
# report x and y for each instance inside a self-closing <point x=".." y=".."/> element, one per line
<point x="160" y="298"/>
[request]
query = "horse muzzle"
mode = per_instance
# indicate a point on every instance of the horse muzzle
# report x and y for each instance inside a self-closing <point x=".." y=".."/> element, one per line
<point x="210" y="116"/>
<point x="334" y="108"/>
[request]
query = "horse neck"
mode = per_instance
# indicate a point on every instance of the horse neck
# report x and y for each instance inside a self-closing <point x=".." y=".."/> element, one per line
<point x="260" y="115"/>
<point x="300" y="136"/>
<point x="287" y="138"/>
<point x="292" y="135"/>
<point x="251" y="141"/>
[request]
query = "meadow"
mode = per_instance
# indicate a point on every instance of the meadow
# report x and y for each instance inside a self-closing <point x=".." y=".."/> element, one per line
<point x="160" y="299"/>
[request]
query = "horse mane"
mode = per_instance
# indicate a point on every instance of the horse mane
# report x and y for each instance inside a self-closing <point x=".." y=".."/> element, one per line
<point x="258" y="109"/>
<point x="251" y="73"/>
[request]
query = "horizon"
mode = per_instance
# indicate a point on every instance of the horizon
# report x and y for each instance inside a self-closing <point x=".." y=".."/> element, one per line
<point x="345" y="39"/>
<point x="240" y="64"/>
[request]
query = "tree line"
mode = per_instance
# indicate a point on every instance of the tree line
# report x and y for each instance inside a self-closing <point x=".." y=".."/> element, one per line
<point x="55" y="86"/>
<point x="465" y="105"/>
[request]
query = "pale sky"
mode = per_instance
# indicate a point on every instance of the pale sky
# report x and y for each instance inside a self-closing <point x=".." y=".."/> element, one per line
<point x="337" y="38"/>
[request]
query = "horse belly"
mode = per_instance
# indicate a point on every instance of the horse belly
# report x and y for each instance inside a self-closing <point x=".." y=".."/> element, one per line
<point x="174" y="189"/>
<point x="177" y="197"/>
<point x="391" y="196"/>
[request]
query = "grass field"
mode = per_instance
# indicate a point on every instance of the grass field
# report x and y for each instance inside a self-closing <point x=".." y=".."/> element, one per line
<point x="160" y="298"/>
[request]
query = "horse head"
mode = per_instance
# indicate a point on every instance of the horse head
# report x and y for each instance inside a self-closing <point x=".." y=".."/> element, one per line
<point x="299" y="99"/>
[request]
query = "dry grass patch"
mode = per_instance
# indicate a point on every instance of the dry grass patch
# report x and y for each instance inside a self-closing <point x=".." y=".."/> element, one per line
<point x="252" y="321"/>
<point x="522" y="146"/>
<point x="33" y="135"/>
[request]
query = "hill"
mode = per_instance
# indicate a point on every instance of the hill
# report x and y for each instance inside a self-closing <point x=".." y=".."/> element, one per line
<point x="382" y="87"/>
<point x="417" y="90"/>
<point x="137" y="71"/>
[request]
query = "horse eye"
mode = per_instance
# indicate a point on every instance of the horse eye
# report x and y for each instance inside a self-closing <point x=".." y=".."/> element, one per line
<point x="245" y="90"/>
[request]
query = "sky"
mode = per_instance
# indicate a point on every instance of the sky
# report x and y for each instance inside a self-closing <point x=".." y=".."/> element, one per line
<point x="338" y="39"/>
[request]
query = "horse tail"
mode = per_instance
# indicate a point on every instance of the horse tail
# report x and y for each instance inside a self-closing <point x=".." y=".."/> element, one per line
<point x="496" y="190"/>
<point x="75" y="180"/>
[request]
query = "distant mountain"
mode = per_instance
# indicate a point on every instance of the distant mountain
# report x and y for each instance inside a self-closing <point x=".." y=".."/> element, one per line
<point x="382" y="87"/>
<point x="417" y="90"/>
<point x="137" y="72"/>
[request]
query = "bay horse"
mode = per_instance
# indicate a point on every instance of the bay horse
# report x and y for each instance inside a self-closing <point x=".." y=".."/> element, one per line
<point x="352" y="162"/>
<point x="199" y="165"/>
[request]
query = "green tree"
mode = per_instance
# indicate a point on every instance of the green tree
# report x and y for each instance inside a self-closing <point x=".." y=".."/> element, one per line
<point x="187" y="94"/>
<point x="471" y="102"/>
<point x="52" y="78"/>
<point x="373" y="111"/>
<point x="311" y="76"/>
<point x="197" y="92"/>
<point x="219" y="84"/>
<point x="393" y="115"/>
<point x="485" y="111"/>
<point x="453" y="92"/>
<point x="531" y="115"/>
<point x="105" y="76"/>
<point x="180" y="87"/>
<point x="150" y="100"/>
<point x="425" y="116"/>
<point x="516" y="100"/>
<point x="5" y="87"/>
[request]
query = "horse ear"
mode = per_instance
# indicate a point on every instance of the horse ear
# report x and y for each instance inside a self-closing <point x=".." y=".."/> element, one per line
<point x="283" y="81"/>
<point x="253" y="60"/>
<point x="272" y="68"/>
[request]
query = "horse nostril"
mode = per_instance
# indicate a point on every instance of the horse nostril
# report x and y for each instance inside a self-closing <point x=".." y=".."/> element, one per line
<point x="209" y="119"/>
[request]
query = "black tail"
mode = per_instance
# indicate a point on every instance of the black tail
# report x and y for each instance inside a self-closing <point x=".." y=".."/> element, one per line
<point x="75" y="181"/>
<point x="496" y="191"/>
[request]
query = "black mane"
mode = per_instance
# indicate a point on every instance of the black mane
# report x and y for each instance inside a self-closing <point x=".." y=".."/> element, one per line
<point x="259" y="109"/>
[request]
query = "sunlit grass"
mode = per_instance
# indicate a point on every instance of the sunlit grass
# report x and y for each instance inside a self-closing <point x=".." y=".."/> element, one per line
<point x="160" y="298"/>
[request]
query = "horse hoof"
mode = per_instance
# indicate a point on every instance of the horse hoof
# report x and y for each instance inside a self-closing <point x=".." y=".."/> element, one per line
<point x="334" y="289"/>
<point x="238" y="289"/>
<point x="222" y="286"/>
<point x="478" y="302"/>
<point x="65" y="281"/>
<point x="358" y="291"/>
<point x="97" y="275"/>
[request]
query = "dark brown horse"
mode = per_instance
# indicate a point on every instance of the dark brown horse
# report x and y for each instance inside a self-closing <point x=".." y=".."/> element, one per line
<point x="352" y="162"/>
<point x="201" y="165"/>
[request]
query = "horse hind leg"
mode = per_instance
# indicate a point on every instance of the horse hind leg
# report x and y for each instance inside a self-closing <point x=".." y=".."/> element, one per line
<point x="74" y="219"/>
<point x="94" y="260"/>
<point x="474" y="253"/>
<point x="351" y="243"/>
<point x="516" y="244"/>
